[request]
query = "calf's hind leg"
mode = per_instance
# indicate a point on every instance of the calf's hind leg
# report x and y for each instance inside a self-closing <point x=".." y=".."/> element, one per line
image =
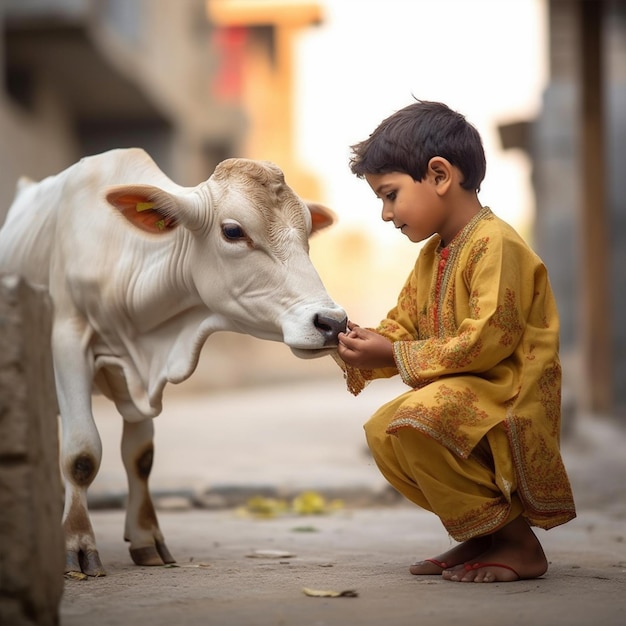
<point x="147" y="546"/>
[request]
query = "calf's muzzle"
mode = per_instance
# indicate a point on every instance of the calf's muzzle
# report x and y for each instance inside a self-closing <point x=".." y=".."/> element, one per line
<point x="330" y="327"/>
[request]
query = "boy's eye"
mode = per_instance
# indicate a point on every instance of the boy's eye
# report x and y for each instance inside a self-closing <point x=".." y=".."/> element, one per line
<point x="391" y="195"/>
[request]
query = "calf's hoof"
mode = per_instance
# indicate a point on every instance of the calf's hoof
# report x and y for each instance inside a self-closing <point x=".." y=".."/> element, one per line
<point x="157" y="554"/>
<point x="87" y="563"/>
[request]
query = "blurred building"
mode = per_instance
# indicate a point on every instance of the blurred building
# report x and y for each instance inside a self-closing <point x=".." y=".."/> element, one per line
<point x="256" y="41"/>
<point x="83" y="76"/>
<point x="191" y="81"/>
<point x="578" y="150"/>
<point x="196" y="81"/>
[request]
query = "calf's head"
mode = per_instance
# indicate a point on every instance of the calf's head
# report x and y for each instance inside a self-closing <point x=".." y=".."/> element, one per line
<point x="244" y="241"/>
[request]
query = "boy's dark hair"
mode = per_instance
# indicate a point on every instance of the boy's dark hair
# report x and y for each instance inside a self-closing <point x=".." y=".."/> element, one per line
<point x="408" y="139"/>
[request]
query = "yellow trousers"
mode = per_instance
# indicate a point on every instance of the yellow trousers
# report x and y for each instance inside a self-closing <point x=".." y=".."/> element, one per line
<point x="472" y="497"/>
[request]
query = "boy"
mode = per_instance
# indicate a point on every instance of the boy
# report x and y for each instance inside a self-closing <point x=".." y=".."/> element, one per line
<point x="475" y="334"/>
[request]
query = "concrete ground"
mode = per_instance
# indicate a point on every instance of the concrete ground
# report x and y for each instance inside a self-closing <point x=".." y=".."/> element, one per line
<point x="216" y="450"/>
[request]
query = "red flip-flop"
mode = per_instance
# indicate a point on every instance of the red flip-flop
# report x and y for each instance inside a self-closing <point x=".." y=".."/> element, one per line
<point x="440" y="564"/>
<point x="468" y="567"/>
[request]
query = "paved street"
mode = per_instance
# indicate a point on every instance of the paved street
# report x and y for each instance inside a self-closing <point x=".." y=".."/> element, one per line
<point x="284" y="440"/>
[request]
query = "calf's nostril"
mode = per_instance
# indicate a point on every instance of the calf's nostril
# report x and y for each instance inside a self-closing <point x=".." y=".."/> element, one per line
<point x="330" y="327"/>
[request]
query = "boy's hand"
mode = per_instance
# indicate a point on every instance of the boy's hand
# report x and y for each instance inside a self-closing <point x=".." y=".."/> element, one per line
<point x="364" y="348"/>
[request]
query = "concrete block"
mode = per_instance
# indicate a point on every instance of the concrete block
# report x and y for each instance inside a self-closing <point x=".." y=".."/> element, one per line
<point x="31" y="539"/>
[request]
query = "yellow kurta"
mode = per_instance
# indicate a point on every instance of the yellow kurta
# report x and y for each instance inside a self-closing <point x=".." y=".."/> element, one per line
<point x="475" y="334"/>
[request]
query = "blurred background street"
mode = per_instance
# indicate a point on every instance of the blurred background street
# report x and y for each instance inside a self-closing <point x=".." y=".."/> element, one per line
<point x="219" y="449"/>
<point x="298" y="81"/>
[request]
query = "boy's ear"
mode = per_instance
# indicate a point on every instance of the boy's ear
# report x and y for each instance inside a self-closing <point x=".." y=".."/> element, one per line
<point x="440" y="172"/>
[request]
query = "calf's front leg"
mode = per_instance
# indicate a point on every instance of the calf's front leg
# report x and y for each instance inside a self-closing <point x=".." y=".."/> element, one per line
<point x="147" y="546"/>
<point x="81" y="448"/>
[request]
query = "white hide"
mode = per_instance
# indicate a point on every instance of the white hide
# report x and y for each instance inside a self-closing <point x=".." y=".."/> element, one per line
<point x="141" y="271"/>
<point x="144" y="302"/>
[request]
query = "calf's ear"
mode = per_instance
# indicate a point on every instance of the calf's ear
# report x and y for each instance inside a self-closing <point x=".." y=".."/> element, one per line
<point x="321" y="217"/>
<point x="146" y="207"/>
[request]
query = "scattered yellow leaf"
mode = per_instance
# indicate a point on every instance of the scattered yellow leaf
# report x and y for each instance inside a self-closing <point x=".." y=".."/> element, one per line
<point x="306" y="503"/>
<point x="309" y="503"/>
<point x="266" y="507"/>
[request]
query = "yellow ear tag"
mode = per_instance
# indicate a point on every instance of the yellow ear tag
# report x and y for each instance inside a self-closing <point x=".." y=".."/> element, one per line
<point x="144" y="206"/>
<point x="160" y="224"/>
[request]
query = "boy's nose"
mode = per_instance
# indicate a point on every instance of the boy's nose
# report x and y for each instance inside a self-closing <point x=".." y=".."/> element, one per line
<point x="387" y="215"/>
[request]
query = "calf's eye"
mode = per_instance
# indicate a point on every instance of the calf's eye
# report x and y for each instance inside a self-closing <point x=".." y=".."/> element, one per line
<point x="233" y="232"/>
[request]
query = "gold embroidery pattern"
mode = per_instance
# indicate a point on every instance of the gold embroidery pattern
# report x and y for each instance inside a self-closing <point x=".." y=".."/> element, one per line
<point x="448" y="321"/>
<point x="444" y="318"/>
<point x="542" y="481"/>
<point x="462" y="352"/>
<point x="473" y="305"/>
<point x="414" y="359"/>
<point x="407" y="300"/>
<point x="478" y="251"/>
<point x="482" y="520"/>
<point x="550" y="386"/>
<point x="443" y="421"/>
<point x="389" y="328"/>
<point x="506" y="319"/>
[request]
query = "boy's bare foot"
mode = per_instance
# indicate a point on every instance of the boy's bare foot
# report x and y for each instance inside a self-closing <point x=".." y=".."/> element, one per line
<point x="514" y="554"/>
<point x="461" y="553"/>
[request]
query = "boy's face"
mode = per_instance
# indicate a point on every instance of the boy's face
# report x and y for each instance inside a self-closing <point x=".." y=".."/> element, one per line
<point x="414" y="207"/>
